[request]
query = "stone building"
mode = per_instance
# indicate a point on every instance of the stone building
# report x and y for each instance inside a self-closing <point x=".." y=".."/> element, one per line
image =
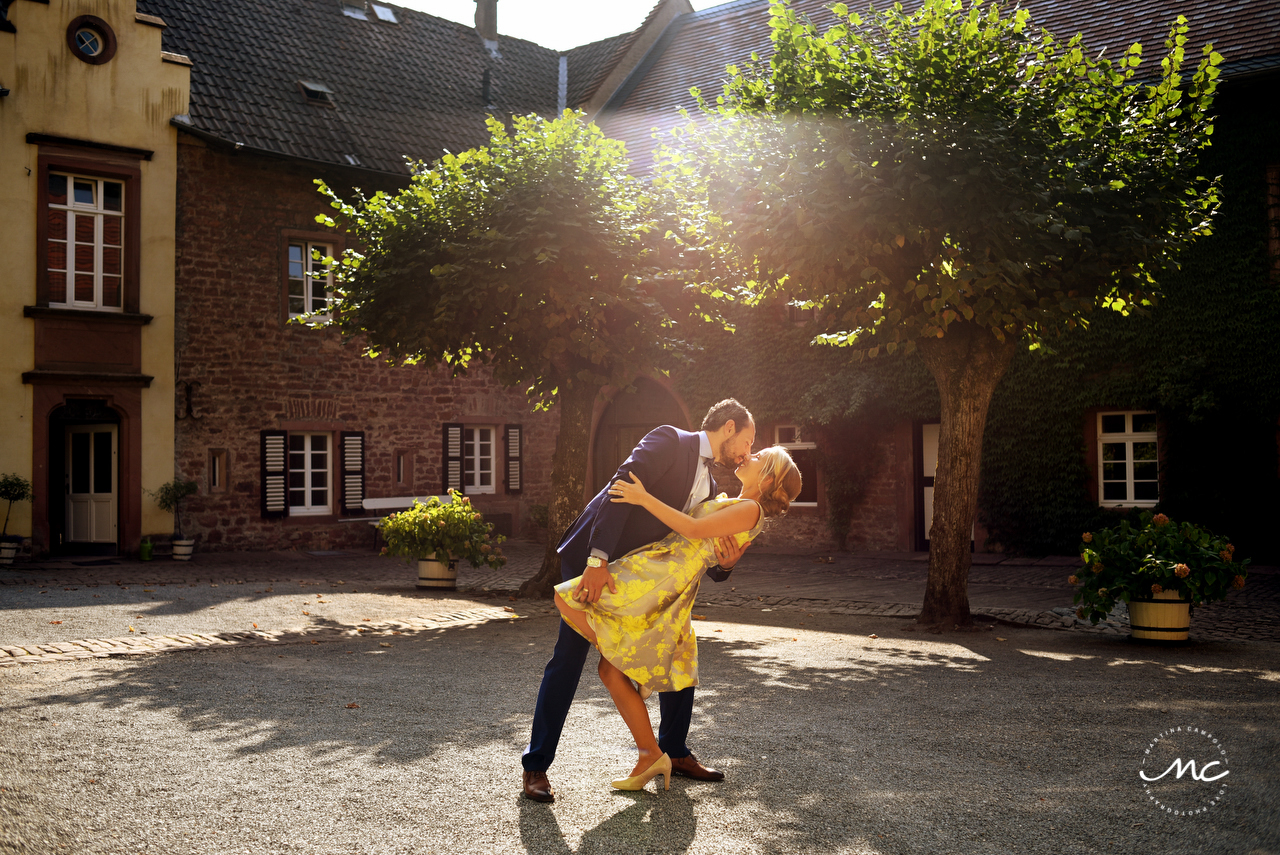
<point x="87" y="207"/>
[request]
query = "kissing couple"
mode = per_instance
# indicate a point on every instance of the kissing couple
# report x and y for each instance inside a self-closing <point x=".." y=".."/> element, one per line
<point x="632" y="562"/>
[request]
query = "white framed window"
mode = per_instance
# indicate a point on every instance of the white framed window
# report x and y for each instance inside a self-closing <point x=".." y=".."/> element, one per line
<point x="1128" y="460"/>
<point x="86" y="225"/>
<point x="310" y="473"/>
<point x="477" y="459"/>
<point x="805" y="454"/>
<point x="310" y="275"/>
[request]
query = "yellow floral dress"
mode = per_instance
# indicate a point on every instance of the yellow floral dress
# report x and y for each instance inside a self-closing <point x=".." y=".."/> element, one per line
<point x="644" y="628"/>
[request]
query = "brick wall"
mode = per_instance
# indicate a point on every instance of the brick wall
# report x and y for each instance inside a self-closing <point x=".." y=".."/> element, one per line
<point x="880" y="522"/>
<point x="241" y="369"/>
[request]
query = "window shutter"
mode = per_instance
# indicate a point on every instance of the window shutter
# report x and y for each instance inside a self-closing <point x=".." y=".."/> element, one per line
<point x="351" y="449"/>
<point x="515" y="460"/>
<point x="453" y="458"/>
<point x="274" y="474"/>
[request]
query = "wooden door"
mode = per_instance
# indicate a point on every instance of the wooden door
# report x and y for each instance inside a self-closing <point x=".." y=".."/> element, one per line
<point x="91" y="479"/>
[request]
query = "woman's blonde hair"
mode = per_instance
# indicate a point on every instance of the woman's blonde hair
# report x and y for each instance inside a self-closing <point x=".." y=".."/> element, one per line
<point x="779" y="481"/>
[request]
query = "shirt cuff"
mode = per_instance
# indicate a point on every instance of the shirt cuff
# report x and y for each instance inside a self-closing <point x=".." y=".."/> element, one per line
<point x="600" y="553"/>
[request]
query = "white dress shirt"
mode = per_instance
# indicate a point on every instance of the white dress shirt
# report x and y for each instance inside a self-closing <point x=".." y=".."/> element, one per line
<point x="702" y="478"/>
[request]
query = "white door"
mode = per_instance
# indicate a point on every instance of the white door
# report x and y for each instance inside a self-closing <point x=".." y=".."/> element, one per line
<point x="91" y="483"/>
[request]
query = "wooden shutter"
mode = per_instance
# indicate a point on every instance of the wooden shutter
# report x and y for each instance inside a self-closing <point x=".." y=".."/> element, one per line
<point x="453" y="458"/>
<point x="515" y="460"/>
<point x="275" y="474"/>
<point x="351" y="451"/>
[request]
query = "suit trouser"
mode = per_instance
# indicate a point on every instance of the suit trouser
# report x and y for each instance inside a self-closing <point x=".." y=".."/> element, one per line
<point x="560" y="683"/>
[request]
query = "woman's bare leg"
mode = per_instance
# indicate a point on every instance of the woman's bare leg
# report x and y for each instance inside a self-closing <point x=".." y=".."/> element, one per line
<point x="624" y="694"/>
<point x="634" y="713"/>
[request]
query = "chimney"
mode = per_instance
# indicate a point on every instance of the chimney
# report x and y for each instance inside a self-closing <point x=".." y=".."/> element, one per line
<point x="487" y="19"/>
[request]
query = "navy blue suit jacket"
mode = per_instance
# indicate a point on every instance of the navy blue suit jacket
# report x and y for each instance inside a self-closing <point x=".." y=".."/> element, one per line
<point x="666" y="463"/>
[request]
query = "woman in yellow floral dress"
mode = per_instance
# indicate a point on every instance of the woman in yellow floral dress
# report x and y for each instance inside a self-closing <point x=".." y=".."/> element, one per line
<point x="643" y="629"/>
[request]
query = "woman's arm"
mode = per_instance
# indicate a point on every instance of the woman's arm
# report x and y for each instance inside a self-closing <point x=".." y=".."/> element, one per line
<point x="731" y="520"/>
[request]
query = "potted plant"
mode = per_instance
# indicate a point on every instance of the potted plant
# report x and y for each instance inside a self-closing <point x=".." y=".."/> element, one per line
<point x="14" y="488"/>
<point x="437" y="534"/>
<point x="169" y="497"/>
<point x="1162" y="569"/>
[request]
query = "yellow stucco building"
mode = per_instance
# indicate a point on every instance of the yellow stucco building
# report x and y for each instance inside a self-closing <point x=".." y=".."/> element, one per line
<point x="88" y="182"/>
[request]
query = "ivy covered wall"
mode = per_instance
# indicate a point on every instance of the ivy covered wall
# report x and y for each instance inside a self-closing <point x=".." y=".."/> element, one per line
<point x="1206" y="358"/>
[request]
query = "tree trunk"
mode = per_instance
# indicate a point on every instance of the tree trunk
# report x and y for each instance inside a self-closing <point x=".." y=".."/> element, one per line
<point x="967" y="364"/>
<point x="568" y="478"/>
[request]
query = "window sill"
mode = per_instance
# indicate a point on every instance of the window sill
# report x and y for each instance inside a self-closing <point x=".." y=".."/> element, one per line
<point x="86" y="315"/>
<point x="312" y="519"/>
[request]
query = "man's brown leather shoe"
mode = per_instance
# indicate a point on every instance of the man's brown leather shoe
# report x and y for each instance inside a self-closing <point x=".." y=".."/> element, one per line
<point x="538" y="788"/>
<point x="689" y="767"/>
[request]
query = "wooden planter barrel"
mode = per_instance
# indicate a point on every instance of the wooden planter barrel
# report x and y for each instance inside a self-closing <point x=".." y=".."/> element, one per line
<point x="182" y="549"/>
<point x="440" y="575"/>
<point x="1163" y="617"/>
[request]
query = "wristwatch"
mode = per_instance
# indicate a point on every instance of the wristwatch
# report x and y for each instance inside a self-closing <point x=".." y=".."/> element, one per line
<point x="596" y="561"/>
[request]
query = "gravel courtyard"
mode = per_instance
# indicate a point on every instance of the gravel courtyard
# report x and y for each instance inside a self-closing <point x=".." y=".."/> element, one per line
<point x="838" y="733"/>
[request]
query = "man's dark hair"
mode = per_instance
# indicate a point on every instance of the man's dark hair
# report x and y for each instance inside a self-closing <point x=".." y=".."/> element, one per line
<point x="722" y="412"/>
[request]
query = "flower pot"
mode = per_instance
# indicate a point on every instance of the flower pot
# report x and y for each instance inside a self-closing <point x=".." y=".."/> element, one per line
<point x="182" y="549"/>
<point x="1164" y="617"/>
<point x="8" y="549"/>
<point x="439" y="575"/>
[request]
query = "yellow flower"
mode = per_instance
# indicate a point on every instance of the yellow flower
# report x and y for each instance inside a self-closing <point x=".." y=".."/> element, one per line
<point x="1237" y="582"/>
<point x="1102" y="592"/>
<point x="1080" y="612"/>
<point x="1156" y="589"/>
<point x="1087" y="537"/>
<point x="1072" y="580"/>
<point x="1097" y="567"/>
<point x="1159" y="520"/>
<point x="1181" y="571"/>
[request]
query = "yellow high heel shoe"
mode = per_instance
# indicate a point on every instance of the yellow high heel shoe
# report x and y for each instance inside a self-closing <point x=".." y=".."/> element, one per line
<point x="636" y="782"/>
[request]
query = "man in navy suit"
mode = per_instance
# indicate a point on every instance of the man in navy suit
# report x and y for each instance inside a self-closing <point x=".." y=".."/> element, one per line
<point x="673" y="465"/>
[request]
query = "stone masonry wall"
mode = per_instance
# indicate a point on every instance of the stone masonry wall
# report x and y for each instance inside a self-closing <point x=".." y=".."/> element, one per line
<point x="242" y="369"/>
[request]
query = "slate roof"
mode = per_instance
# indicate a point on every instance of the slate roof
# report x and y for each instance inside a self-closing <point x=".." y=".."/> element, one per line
<point x="591" y="63"/>
<point x="407" y="89"/>
<point x="695" y="48"/>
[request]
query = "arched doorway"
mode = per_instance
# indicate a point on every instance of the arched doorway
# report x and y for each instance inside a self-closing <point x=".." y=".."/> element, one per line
<point x="629" y="416"/>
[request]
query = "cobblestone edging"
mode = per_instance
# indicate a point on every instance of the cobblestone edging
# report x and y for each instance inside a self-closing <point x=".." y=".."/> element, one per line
<point x="101" y="648"/>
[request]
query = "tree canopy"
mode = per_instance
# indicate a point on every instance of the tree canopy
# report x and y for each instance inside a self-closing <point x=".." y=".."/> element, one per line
<point x="537" y="256"/>
<point x="955" y="182"/>
<point x="533" y="255"/>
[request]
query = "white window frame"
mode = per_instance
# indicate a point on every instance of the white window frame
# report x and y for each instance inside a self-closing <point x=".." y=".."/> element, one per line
<point x="1128" y="438"/>
<point x="313" y="270"/>
<point x="99" y="213"/>
<point x="472" y="463"/>
<point x="796" y="442"/>
<point x="308" y="472"/>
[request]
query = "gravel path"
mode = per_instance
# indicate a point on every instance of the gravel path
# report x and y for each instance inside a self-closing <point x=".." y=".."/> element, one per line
<point x="1011" y="740"/>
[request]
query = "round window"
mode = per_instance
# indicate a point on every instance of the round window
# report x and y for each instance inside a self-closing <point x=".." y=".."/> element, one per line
<point x="88" y="42"/>
<point x="91" y="39"/>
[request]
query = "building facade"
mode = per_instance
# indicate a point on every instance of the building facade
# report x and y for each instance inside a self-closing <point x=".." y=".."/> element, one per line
<point x="86" y="312"/>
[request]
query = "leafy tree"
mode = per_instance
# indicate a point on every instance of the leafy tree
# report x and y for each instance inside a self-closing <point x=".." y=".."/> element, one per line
<point x="537" y="256"/>
<point x="955" y="183"/>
